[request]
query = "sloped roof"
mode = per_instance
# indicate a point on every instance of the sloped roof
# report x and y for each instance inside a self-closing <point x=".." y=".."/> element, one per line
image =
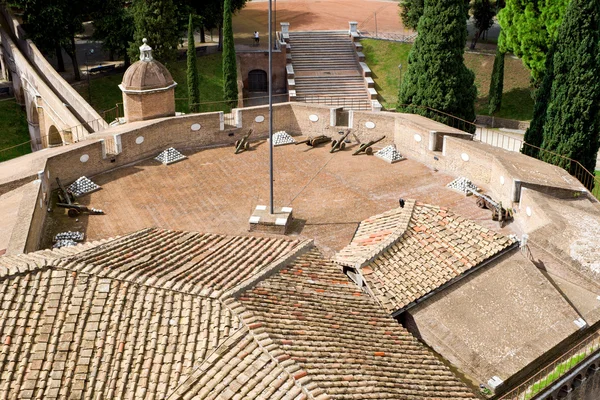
<point x="187" y="261"/>
<point x="436" y="247"/>
<point x="77" y="335"/>
<point x="336" y="341"/>
<point x="138" y="317"/>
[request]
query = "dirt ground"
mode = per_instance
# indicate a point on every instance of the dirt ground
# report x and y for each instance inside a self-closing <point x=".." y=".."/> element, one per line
<point x="307" y="15"/>
<point x="215" y="191"/>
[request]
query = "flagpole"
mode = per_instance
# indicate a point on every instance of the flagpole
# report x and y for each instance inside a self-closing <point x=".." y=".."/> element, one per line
<point x="270" y="110"/>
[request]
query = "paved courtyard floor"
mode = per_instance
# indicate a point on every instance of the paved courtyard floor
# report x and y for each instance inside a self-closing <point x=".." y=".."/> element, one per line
<point x="215" y="191"/>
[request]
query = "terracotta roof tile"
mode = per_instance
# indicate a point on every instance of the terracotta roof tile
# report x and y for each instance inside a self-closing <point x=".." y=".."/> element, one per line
<point x="340" y="340"/>
<point x="436" y="247"/>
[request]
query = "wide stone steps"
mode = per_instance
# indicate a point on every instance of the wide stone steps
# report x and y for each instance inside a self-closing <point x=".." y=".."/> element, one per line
<point x="319" y="57"/>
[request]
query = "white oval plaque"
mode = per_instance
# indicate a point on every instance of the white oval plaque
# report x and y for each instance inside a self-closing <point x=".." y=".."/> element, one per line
<point x="313" y="117"/>
<point x="196" y="127"/>
<point x="501" y="180"/>
<point x="259" y="118"/>
<point x="370" y="124"/>
<point x="528" y="211"/>
<point x="84" y="158"/>
<point x="139" y="139"/>
<point x="465" y="157"/>
<point x="418" y="137"/>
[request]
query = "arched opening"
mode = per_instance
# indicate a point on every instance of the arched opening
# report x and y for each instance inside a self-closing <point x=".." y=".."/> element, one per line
<point x="564" y="392"/>
<point x="34" y="117"/>
<point x="590" y="371"/>
<point x="54" y="138"/>
<point x="577" y="381"/>
<point x="257" y="81"/>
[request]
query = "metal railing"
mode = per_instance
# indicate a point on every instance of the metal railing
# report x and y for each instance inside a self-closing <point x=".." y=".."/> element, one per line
<point x="348" y="103"/>
<point x="556" y="369"/>
<point x="497" y="139"/>
<point x="440" y="116"/>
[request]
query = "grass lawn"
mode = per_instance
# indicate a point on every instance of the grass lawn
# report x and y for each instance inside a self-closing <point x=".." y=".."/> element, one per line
<point x="383" y="58"/>
<point x="106" y="94"/>
<point x="14" y="130"/>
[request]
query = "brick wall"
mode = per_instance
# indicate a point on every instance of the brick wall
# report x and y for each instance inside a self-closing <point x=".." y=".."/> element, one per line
<point x="251" y="60"/>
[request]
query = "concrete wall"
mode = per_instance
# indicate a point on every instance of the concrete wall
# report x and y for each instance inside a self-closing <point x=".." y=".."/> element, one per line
<point x="494" y="122"/>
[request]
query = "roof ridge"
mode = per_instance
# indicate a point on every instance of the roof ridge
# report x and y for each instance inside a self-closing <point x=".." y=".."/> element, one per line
<point x="302" y="247"/>
<point x="12" y="265"/>
<point x="392" y="238"/>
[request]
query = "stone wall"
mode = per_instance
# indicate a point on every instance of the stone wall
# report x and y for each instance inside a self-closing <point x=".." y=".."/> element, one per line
<point x="494" y="122"/>
<point x="259" y="59"/>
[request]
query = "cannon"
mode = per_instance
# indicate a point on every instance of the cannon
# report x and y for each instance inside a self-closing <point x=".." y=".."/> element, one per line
<point x="66" y="200"/>
<point x="499" y="213"/>
<point x="366" y="147"/>
<point x="315" y="141"/>
<point x="243" y="144"/>
<point x="339" y="144"/>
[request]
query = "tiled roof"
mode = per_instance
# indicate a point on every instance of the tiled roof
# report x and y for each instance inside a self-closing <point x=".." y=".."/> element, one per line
<point x="76" y="335"/>
<point x="336" y="341"/>
<point x="239" y="369"/>
<point x="191" y="262"/>
<point x="436" y="247"/>
<point x="374" y="235"/>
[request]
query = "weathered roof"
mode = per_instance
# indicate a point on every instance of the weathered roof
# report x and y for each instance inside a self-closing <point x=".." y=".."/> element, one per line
<point x="140" y="317"/>
<point x="147" y="75"/>
<point x="186" y="261"/>
<point x="422" y="254"/>
<point x="336" y="341"/>
<point x="76" y="335"/>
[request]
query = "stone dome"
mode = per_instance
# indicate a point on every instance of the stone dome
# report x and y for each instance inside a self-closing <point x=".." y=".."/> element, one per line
<point x="147" y="73"/>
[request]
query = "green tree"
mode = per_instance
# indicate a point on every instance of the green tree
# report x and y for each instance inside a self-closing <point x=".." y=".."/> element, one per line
<point x="497" y="82"/>
<point x="114" y="27"/>
<point x="437" y="76"/>
<point x="155" y="20"/>
<point x="192" y="70"/>
<point x="412" y="10"/>
<point x="483" y="18"/>
<point x="230" y="89"/>
<point x="211" y="13"/>
<point x="572" y="120"/>
<point x="528" y="30"/>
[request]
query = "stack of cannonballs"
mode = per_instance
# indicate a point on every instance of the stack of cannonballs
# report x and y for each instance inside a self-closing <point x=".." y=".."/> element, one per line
<point x="64" y="243"/>
<point x="82" y="186"/>
<point x="282" y="137"/>
<point x="170" y="156"/>
<point x="463" y="185"/>
<point x="389" y="154"/>
<point x="75" y="236"/>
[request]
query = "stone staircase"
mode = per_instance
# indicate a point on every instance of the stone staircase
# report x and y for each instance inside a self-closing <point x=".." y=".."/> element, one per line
<point x="325" y="69"/>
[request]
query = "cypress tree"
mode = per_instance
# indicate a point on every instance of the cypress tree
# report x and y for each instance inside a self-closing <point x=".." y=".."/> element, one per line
<point x="572" y="121"/>
<point x="497" y="83"/>
<point x="155" y="20"/>
<point x="192" y="70"/>
<point x="437" y="76"/>
<point x="230" y="89"/>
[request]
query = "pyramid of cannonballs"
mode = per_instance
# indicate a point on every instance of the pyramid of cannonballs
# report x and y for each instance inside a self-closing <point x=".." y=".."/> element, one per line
<point x="282" y="137"/>
<point x="74" y="236"/>
<point x="463" y="185"/>
<point x="389" y="154"/>
<point x="82" y="186"/>
<point x="170" y="156"/>
<point x="64" y="243"/>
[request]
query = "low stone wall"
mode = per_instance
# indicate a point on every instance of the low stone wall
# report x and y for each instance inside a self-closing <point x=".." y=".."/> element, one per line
<point x="494" y="122"/>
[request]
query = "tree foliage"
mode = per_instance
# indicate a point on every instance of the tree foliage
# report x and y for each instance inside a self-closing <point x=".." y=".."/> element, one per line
<point x="114" y="27"/>
<point x="437" y="76"/>
<point x="571" y="124"/>
<point x="412" y="10"/>
<point x="528" y="30"/>
<point x="53" y="24"/>
<point x="483" y="18"/>
<point x="192" y="69"/>
<point x="497" y="83"/>
<point x="155" y="20"/>
<point x="230" y="89"/>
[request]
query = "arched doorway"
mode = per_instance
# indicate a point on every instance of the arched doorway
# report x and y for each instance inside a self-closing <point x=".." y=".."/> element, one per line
<point x="257" y="81"/>
<point x="54" y="138"/>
